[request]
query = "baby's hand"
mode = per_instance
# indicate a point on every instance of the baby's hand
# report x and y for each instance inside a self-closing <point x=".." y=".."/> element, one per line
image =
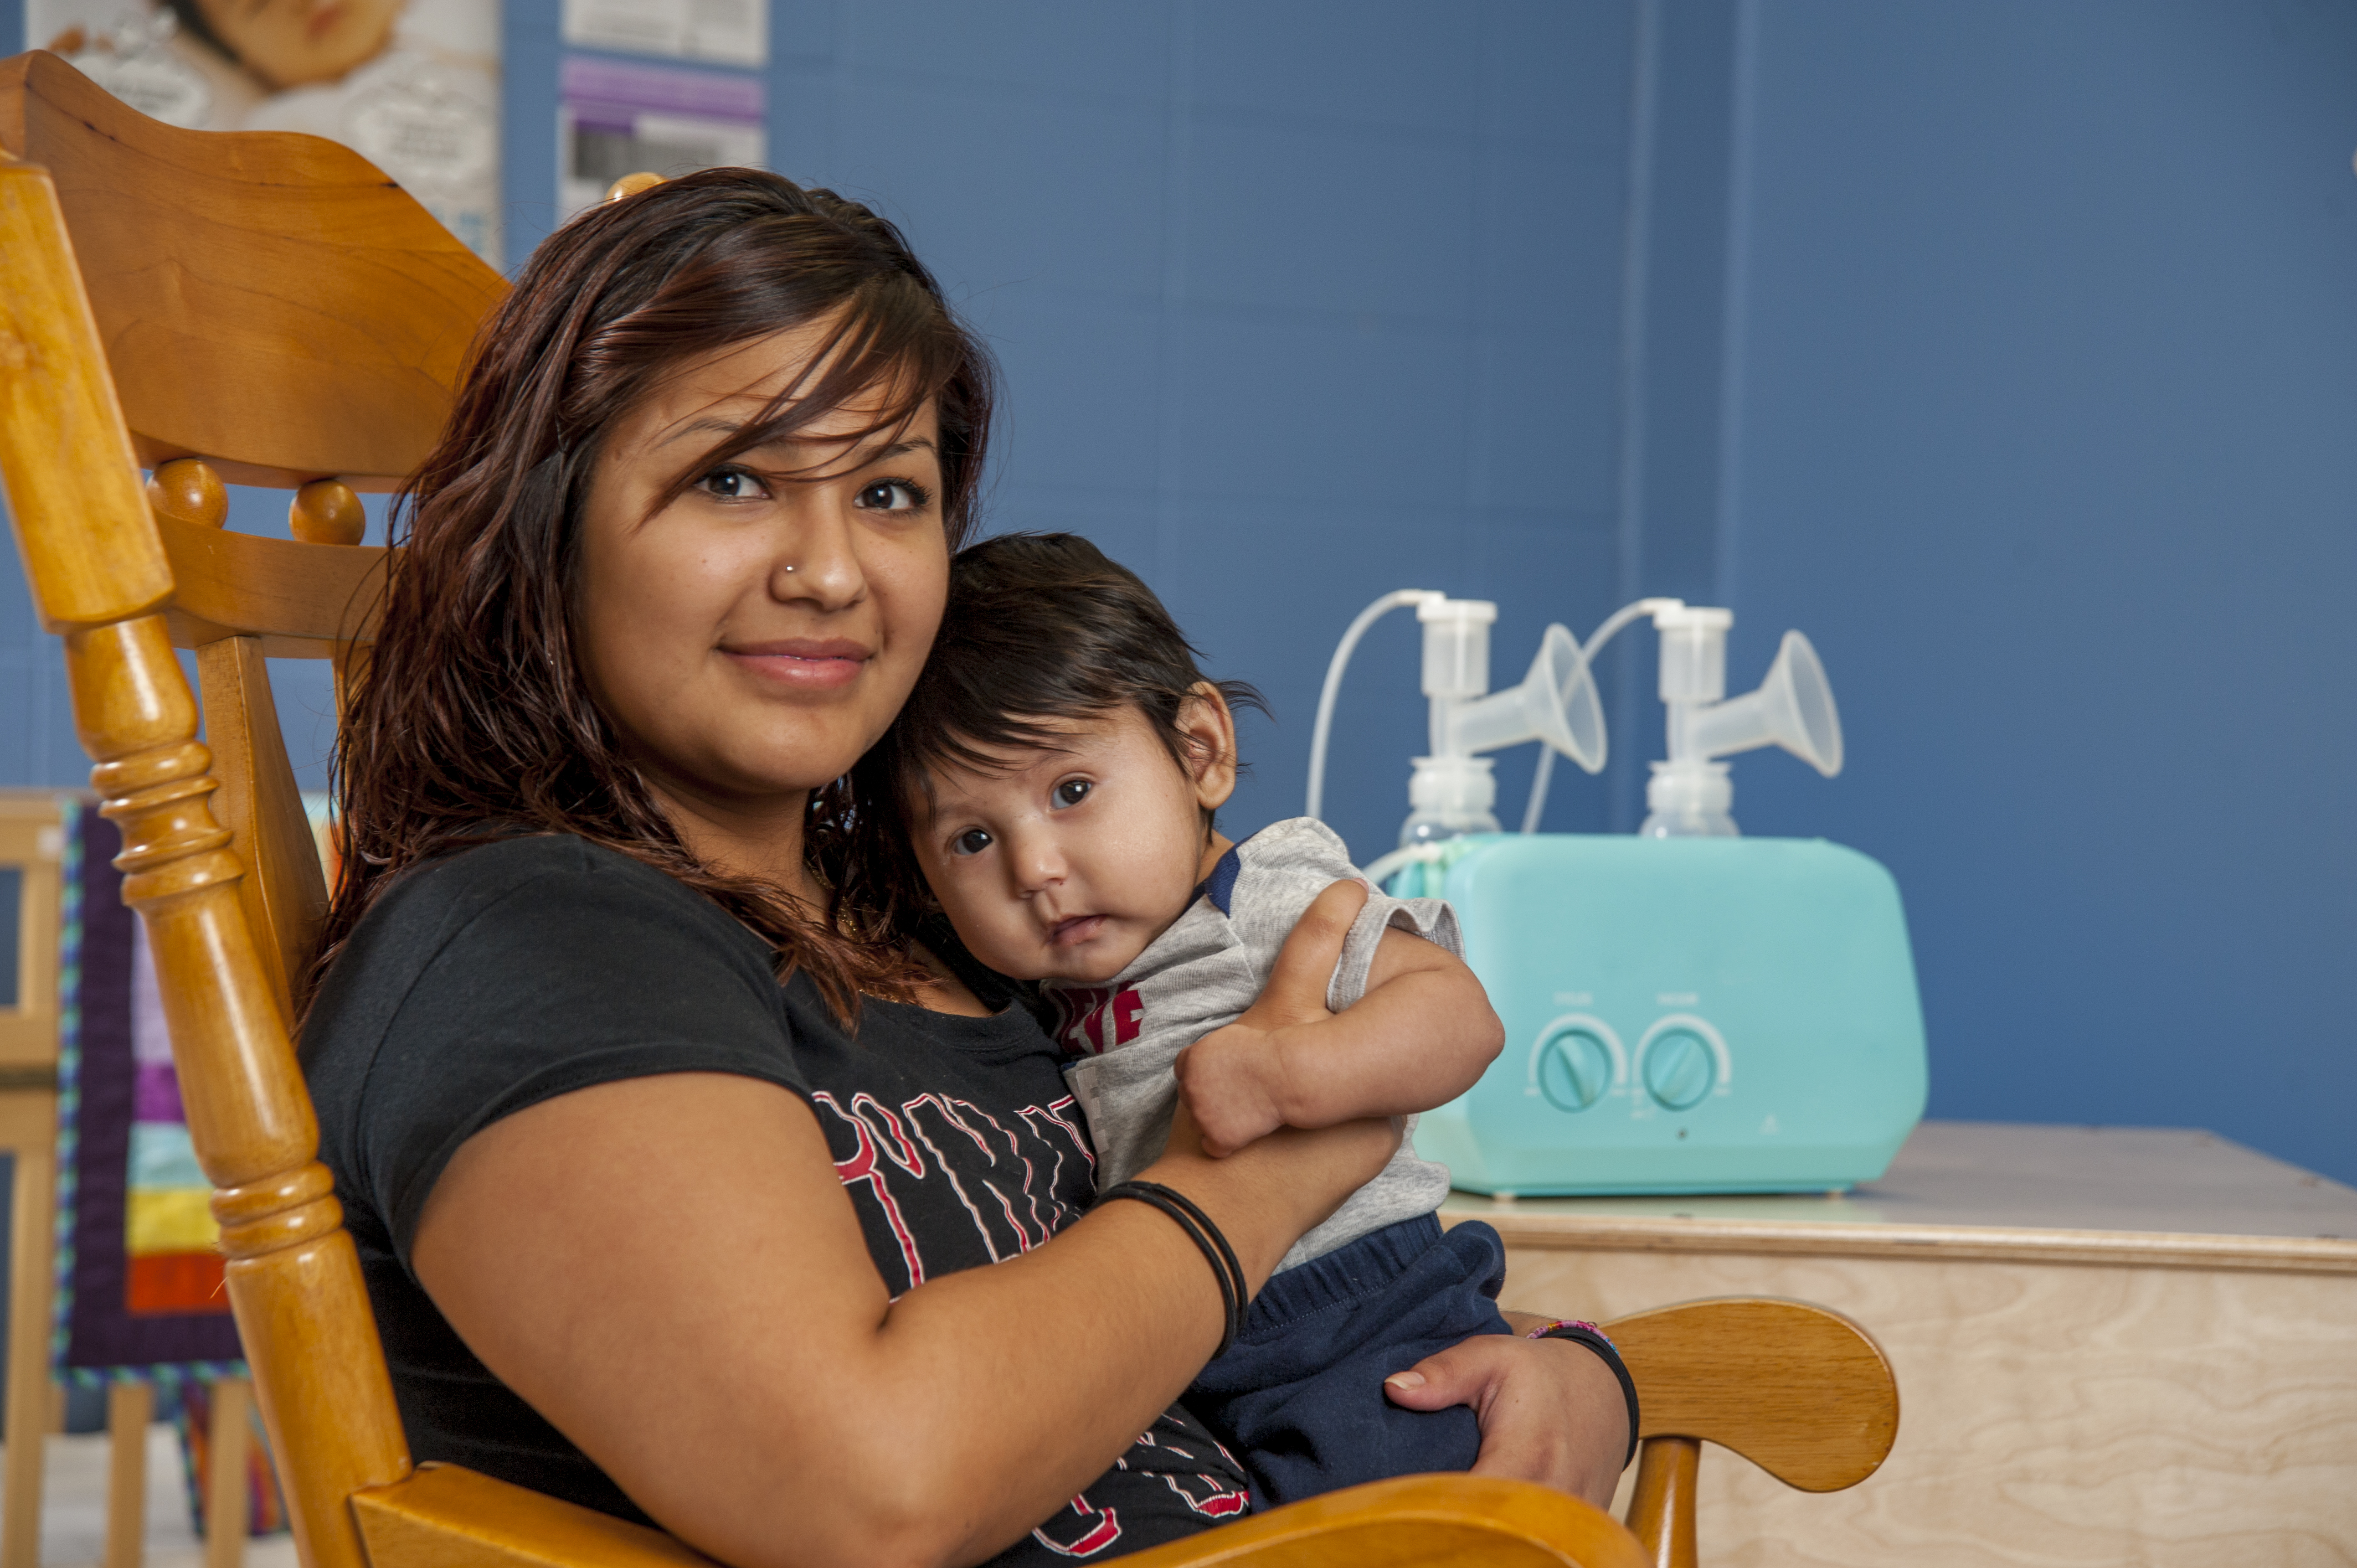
<point x="1227" y="1081"/>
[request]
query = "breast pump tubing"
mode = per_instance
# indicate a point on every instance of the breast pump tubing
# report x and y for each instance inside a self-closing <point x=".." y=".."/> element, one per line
<point x="687" y="1295"/>
<point x="1321" y="730"/>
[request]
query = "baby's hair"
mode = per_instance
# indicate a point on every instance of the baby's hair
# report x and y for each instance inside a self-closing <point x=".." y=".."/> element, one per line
<point x="1038" y="628"/>
<point x="1042" y="627"/>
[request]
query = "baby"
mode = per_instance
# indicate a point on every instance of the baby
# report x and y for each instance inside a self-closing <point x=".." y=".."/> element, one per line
<point x="1058" y="766"/>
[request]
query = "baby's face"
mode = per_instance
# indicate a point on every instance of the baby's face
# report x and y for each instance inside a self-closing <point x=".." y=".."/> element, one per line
<point x="1064" y="865"/>
<point x="290" y="43"/>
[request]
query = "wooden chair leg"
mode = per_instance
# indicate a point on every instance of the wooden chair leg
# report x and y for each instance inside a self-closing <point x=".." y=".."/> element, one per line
<point x="130" y="1409"/>
<point x="1661" y="1508"/>
<point x="27" y="1422"/>
<point x="226" y="1517"/>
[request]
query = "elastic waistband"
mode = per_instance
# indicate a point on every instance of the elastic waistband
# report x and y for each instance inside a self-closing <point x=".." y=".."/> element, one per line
<point x="1352" y="1270"/>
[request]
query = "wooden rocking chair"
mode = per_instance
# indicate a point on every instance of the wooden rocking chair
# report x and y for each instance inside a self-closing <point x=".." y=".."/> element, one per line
<point x="270" y="309"/>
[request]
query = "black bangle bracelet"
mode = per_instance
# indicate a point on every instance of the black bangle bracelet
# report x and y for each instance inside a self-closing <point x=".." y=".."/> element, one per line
<point x="1202" y="1233"/>
<point x="1203" y="1223"/>
<point x="1580" y="1334"/>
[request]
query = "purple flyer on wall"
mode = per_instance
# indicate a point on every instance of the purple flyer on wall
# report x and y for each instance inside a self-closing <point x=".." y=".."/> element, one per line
<point x="617" y="117"/>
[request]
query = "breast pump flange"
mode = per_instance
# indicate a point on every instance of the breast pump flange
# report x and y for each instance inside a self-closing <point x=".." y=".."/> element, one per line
<point x="1451" y="790"/>
<point x="1690" y="793"/>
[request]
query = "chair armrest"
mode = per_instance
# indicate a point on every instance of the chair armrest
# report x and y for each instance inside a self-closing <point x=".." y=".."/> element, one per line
<point x="1799" y="1390"/>
<point x="445" y="1517"/>
<point x="1416" y="1521"/>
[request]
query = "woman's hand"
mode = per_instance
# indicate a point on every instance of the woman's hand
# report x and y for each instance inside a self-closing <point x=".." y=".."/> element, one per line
<point x="1550" y="1410"/>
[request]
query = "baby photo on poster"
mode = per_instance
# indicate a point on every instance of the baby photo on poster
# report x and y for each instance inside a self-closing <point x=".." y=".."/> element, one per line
<point x="410" y="85"/>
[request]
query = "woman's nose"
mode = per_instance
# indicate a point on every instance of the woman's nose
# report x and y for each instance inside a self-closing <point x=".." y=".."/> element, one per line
<point x="816" y="564"/>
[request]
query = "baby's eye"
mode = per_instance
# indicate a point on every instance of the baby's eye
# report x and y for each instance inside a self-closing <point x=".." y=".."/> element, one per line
<point x="731" y="485"/>
<point x="1073" y="791"/>
<point x="890" y="495"/>
<point x="973" y="841"/>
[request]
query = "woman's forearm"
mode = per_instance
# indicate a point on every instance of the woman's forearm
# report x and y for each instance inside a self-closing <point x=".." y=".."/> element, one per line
<point x="669" y="1269"/>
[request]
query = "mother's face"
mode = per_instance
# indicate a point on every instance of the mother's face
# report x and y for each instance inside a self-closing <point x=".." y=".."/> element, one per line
<point x="756" y="635"/>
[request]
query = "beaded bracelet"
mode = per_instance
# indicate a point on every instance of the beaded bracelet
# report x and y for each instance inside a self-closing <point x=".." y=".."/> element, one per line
<point x="1207" y="1239"/>
<point x="1596" y="1339"/>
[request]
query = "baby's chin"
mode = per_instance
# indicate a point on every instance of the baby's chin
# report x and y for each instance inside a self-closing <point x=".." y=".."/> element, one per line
<point x="1090" y="963"/>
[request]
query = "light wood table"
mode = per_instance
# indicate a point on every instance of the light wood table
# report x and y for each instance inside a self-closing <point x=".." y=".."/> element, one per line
<point x="2114" y="1346"/>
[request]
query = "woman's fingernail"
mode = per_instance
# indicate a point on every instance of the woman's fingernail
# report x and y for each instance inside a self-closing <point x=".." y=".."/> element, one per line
<point x="1404" y="1380"/>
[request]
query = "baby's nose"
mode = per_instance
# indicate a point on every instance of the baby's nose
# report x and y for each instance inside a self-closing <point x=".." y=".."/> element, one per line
<point x="1037" y="867"/>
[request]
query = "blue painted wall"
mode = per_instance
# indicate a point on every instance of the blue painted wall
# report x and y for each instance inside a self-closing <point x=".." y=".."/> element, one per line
<point x="1297" y="306"/>
<point x="2048" y="403"/>
<point x="2006" y="349"/>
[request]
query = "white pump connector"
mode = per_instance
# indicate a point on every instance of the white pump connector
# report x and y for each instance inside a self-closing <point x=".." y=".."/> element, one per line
<point x="1688" y="795"/>
<point x="1451" y="790"/>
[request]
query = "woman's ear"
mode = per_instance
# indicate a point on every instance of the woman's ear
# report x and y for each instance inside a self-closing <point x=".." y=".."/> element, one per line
<point x="1209" y="730"/>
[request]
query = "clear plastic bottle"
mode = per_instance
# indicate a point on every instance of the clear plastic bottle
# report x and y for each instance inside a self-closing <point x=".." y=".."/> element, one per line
<point x="1449" y="796"/>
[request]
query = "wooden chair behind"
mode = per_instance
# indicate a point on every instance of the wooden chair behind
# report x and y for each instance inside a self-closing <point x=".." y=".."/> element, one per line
<point x="32" y="843"/>
<point x="335" y="380"/>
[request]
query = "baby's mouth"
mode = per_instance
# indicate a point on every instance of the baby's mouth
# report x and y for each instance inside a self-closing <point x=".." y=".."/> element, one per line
<point x="1073" y="931"/>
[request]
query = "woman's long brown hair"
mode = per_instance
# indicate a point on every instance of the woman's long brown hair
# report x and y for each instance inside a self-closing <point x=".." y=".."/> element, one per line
<point x="469" y="720"/>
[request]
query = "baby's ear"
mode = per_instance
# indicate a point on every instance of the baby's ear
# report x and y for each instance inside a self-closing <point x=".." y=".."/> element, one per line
<point x="1209" y="731"/>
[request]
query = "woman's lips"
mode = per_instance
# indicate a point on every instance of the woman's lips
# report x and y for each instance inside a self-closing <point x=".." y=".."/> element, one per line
<point x="1076" y="930"/>
<point x="804" y="664"/>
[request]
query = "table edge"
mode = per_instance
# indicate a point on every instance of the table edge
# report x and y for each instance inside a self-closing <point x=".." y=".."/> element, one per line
<point x="1923" y="1243"/>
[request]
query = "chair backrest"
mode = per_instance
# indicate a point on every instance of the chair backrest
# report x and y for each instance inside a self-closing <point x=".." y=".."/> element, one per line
<point x="260" y="309"/>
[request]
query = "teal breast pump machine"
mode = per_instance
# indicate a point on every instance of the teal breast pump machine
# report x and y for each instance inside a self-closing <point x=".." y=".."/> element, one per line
<point x="1686" y="1010"/>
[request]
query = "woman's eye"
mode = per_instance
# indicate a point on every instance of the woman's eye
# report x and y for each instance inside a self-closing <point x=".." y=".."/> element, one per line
<point x="730" y="485"/>
<point x="890" y="495"/>
<point x="1073" y="791"/>
<point x="973" y="841"/>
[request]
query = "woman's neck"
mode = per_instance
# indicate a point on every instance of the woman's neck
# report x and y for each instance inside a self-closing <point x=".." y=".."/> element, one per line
<point x="762" y="840"/>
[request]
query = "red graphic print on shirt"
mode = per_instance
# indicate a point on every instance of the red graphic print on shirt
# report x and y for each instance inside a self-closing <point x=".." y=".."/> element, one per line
<point x="1096" y="1018"/>
<point x="1008" y="1180"/>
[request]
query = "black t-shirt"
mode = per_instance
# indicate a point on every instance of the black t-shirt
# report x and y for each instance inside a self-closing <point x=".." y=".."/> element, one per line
<point x="526" y="969"/>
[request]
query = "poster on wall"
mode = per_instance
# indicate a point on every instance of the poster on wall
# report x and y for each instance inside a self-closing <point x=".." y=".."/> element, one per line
<point x="617" y="117"/>
<point x="410" y="85"/>
<point x="730" y="32"/>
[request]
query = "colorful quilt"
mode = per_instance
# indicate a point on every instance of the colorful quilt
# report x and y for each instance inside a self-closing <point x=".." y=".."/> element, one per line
<point x="139" y="1272"/>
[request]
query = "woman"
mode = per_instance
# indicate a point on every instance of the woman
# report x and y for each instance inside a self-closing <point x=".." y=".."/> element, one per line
<point x="643" y="1228"/>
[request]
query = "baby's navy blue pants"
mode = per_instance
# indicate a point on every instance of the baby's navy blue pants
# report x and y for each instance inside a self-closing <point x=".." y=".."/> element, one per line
<point x="1299" y="1396"/>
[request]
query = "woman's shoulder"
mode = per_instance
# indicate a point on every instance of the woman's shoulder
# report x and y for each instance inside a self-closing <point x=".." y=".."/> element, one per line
<point x="506" y="974"/>
<point x="548" y="921"/>
<point x="498" y="865"/>
<point x="565" y="884"/>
